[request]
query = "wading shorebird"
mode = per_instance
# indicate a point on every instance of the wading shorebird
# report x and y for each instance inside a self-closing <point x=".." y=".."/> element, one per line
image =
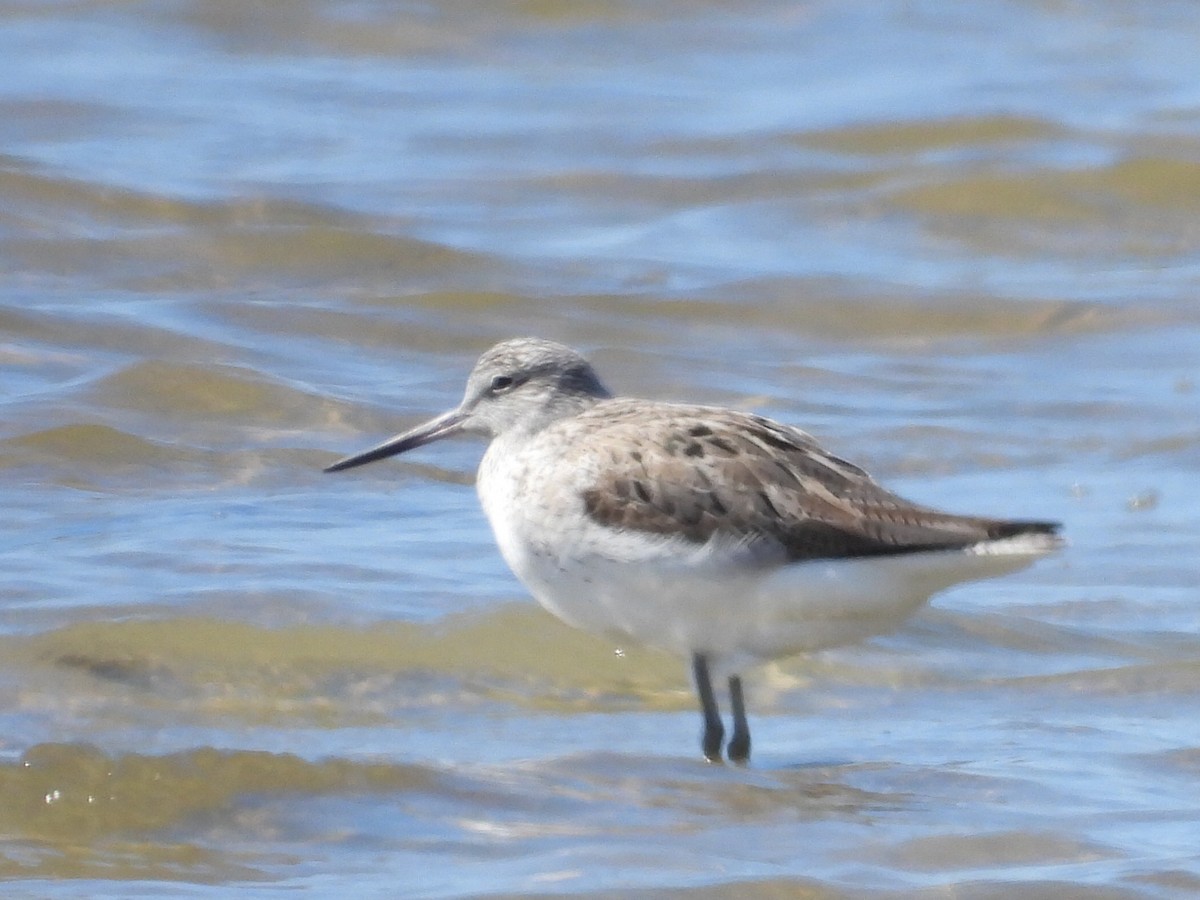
<point x="721" y="536"/>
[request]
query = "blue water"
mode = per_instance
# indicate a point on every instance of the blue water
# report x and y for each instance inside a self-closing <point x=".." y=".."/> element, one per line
<point x="955" y="242"/>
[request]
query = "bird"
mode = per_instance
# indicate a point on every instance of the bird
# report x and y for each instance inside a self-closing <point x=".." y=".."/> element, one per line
<point x="724" y="537"/>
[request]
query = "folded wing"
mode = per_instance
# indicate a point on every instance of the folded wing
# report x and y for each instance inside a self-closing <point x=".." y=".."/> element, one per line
<point x="700" y="473"/>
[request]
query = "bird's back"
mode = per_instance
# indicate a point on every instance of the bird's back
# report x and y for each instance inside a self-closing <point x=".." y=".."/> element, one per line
<point x="701" y="473"/>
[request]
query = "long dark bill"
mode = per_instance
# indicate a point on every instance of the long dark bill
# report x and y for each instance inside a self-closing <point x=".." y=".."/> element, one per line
<point x="443" y="426"/>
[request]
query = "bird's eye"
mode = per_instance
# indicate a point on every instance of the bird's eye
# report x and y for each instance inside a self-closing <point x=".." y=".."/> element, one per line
<point x="501" y="383"/>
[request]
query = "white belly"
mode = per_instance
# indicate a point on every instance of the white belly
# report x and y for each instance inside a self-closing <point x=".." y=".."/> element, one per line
<point x="745" y="617"/>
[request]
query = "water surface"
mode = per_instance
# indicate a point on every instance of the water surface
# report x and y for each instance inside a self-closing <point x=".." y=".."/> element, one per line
<point x="958" y="243"/>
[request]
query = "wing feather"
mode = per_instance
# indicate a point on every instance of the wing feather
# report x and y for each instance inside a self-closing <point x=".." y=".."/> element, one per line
<point x="702" y="473"/>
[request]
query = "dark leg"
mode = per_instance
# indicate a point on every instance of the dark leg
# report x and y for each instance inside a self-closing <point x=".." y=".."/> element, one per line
<point x="714" y="731"/>
<point x="739" y="744"/>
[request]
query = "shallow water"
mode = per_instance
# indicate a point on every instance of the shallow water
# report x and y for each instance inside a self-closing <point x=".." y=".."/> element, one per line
<point x="957" y="242"/>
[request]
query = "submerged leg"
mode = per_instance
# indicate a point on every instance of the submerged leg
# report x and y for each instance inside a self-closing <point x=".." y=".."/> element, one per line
<point x="739" y="744"/>
<point x="714" y="731"/>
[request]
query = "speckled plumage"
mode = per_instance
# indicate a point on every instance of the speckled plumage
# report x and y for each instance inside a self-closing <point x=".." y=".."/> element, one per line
<point x="701" y="472"/>
<point x="722" y="536"/>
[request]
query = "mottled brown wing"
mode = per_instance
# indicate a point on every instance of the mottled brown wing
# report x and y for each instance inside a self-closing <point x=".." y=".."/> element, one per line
<point x="697" y="473"/>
